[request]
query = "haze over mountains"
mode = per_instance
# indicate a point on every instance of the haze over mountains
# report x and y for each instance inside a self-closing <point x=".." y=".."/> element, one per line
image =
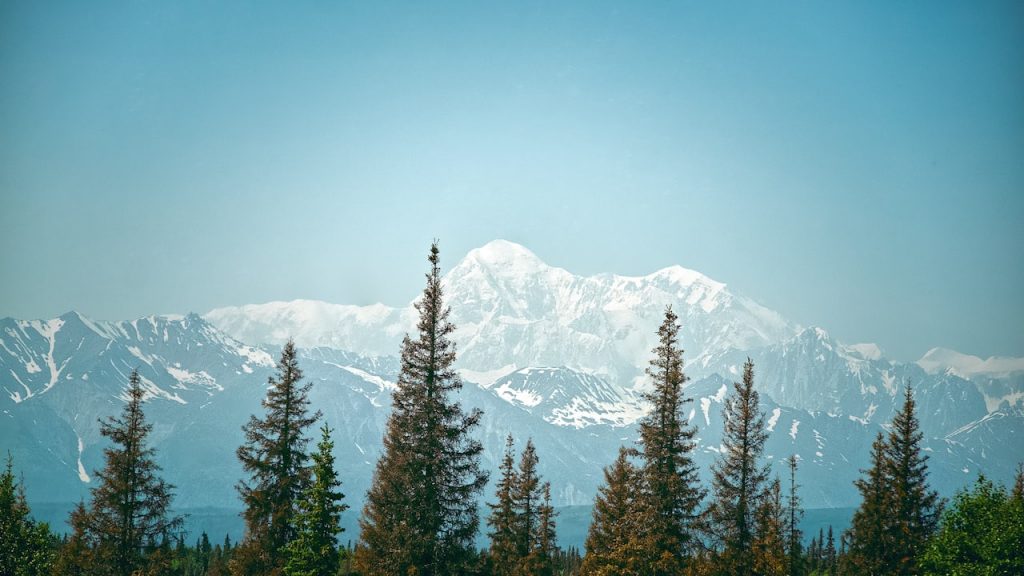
<point x="543" y="352"/>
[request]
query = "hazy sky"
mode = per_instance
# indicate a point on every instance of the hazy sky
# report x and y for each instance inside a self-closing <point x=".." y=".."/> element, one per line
<point x="856" y="166"/>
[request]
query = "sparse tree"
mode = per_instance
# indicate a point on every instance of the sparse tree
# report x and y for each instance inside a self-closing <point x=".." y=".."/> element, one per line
<point x="868" y="541"/>
<point x="131" y="504"/>
<point x="738" y="480"/>
<point x="503" y="518"/>
<point x="274" y="455"/>
<point x="420" y="514"/>
<point x="769" y="543"/>
<point x="794" y="543"/>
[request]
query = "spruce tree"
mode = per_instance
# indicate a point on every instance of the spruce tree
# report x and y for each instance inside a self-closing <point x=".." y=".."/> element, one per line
<point x="1018" y="483"/>
<point x="868" y="540"/>
<point x="314" y="551"/>
<point x="914" y="507"/>
<point x="502" y="520"/>
<point x="671" y="491"/>
<point x="274" y="455"/>
<point x="131" y="504"/>
<point x="544" y="552"/>
<point x="769" y="542"/>
<point x="527" y="493"/>
<point x="611" y="546"/>
<point x="420" y="514"/>
<point x="738" y="479"/>
<point x="829" y="555"/>
<point x="794" y="543"/>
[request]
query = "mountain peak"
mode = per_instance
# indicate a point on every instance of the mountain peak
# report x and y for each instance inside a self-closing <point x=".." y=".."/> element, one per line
<point x="504" y="257"/>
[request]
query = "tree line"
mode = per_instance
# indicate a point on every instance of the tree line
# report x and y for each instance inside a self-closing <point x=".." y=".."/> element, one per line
<point x="652" y="516"/>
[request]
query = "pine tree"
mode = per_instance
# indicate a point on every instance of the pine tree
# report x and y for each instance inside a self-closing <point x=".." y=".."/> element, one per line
<point x="611" y="547"/>
<point x="794" y="546"/>
<point x="314" y="551"/>
<point x="274" y="455"/>
<point x="671" y="491"/>
<point x="420" y="514"/>
<point x="131" y="504"/>
<point x="914" y="507"/>
<point x="868" y="540"/>
<point x="25" y="545"/>
<point x="769" y="542"/>
<point x="502" y="520"/>
<point x="738" y="480"/>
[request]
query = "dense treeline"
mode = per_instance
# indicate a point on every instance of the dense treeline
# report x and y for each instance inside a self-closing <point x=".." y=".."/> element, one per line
<point x="651" y="516"/>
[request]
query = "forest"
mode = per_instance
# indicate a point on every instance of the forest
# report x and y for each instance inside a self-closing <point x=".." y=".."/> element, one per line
<point x="429" y="497"/>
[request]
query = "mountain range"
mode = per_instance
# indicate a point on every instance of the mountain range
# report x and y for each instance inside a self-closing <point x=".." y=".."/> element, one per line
<point x="545" y="353"/>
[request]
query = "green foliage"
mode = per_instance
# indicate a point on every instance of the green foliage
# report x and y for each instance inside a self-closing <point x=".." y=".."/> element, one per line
<point x="982" y="534"/>
<point x="769" y="544"/>
<point x="26" y="546"/>
<point x="314" y="551"/>
<point x="275" y="458"/>
<point x="420" y="514"/>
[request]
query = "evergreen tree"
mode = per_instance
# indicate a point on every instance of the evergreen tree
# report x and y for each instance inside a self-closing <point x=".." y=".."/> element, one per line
<point x="420" y="514"/>
<point x="868" y="540"/>
<point x="794" y="543"/>
<point x="76" y="557"/>
<point x="131" y="503"/>
<point x="829" y="558"/>
<point x="671" y="491"/>
<point x="274" y="455"/>
<point x="738" y="480"/>
<point x="527" y="493"/>
<point x="1018" y="483"/>
<point x="981" y="533"/>
<point x="544" y="550"/>
<point x="914" y="508"/>
<point x="769" y="542"/>
<point x="25" y="545"/>
<point x="611" y="547"/>
<point x="502" y="520"/>
<point x="314" y="551"/>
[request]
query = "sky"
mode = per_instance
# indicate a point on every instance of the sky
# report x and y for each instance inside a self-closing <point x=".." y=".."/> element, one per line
<point x="853" y="165"/>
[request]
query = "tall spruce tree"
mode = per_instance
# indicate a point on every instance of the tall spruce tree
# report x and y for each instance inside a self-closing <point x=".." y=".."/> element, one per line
<point x="274" y="455"/>
<point x="794" y="513"/>
<point x="915" y="507"/>
<point x="503" y="518"/>
<point x="131" y="503"/>
<point x="314" y="551"/>
<point x="420" y="514"/>
<point x="527" y="494"/>
<point x="612" y="547"/>
<point x="671" y="492"/>
<point x="738" y="479"/>
<point x="868" y="540"/>
<point x="544" y="550"/>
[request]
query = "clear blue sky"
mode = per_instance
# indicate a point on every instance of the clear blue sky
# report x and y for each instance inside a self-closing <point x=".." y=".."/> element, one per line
<point x="858" y="166"/>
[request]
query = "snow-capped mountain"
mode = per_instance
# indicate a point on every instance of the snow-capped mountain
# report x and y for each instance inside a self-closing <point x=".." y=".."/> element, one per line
<point x="511" y="311"/>
<point x="543" y="352"/>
